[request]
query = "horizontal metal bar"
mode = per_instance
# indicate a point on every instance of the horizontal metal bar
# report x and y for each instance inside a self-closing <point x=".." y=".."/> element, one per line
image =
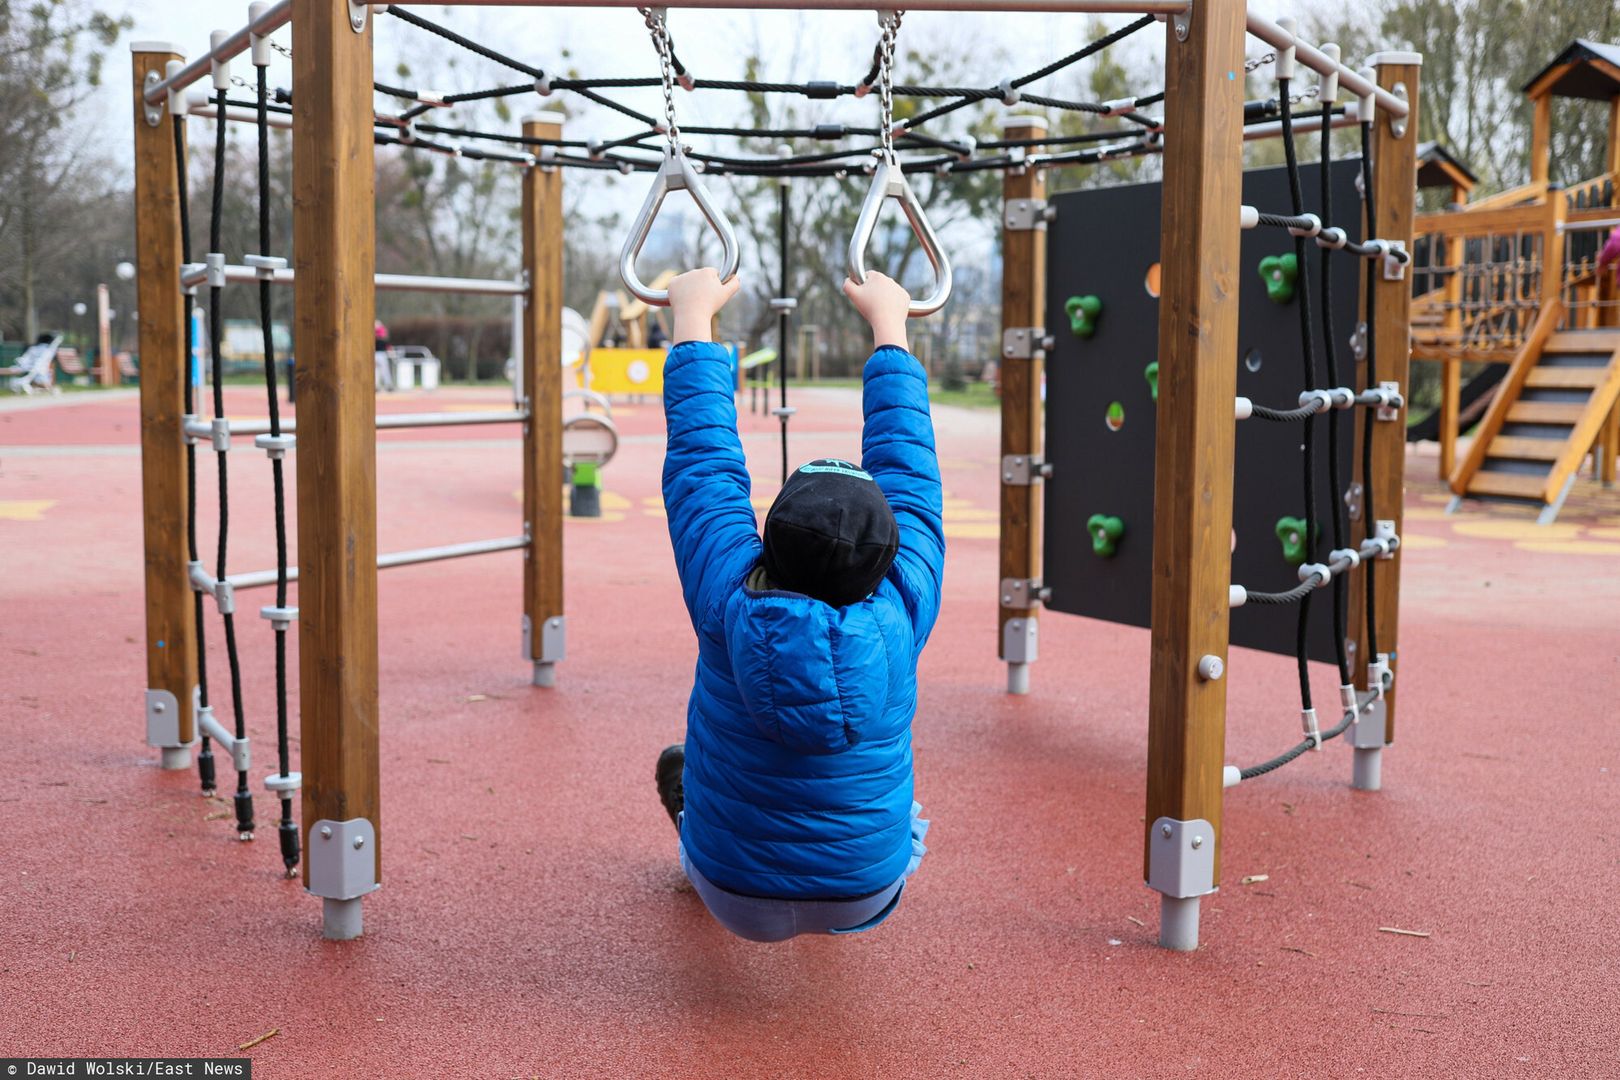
<point x="230" y="48"/>
<point x="387" y="282"/>
<point x="261" y="578"/>
<point x="1350" y="80"/>
<point x="1095" y="7"/>
<point x="202" y="429"/>
<point x="208" y="111"/>
<point x="1589" y="226"/>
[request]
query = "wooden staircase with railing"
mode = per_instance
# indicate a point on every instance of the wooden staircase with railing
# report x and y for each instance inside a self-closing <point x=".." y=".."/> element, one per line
<point x="1551" y="409"/>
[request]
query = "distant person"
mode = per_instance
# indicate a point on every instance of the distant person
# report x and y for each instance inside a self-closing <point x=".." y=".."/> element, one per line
<point x="384" y="362"/>
<point x="1611" y="253"/>
<point x="792" y="792"/>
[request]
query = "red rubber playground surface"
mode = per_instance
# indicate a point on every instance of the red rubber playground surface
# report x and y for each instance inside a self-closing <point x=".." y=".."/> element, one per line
<point x="533" y="921"/>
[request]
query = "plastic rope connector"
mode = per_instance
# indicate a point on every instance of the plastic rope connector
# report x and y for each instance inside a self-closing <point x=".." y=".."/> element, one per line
<point x="1332" y="238"/>
<point x="1322" y="572"/>
<point x="1009" y="93"/>
<point x="1312" y="226"/>
<point x="1313" y="730"/>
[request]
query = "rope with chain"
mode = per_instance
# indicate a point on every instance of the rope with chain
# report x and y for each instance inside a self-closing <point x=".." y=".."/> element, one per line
<point x="658" y="26"/>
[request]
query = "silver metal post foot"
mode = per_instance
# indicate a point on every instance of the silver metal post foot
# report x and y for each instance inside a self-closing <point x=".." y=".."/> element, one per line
<point x="545" y="673"/>
<point x="1178" y="922"/>
<point x="175" y="757"/>
<point x="1367" y="770"/>
<point x="1017" y="678"/>
<point x="341" y="920"/>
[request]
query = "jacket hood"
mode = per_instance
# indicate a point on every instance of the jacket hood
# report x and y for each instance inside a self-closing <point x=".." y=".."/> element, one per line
<point x="813" y="677"/>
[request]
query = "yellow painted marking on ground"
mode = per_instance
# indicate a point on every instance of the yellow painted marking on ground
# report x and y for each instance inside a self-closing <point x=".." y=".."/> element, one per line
<point x="1419" y="542"/>
<point x="1423" y="513"/>
<point x="607" y="517"/>
<point x="953" y="514"/>
<point x="1570" y="547"/>
<point x="24" y="509"/>
<point x="1605" y="533"/>
<point x="972" y="531"/>
<point x="1426" y="497"/>
<point x="1516" y="530"/>
<point x="612" y="500"/>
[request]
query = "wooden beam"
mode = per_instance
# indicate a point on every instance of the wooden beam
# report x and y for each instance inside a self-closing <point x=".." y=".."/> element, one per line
<point x="1612" y="156"/>
<point x="334" y="255"/>
<point x="1394" y="174"/>
<point x="1541" y="141"/>
<point x="1451" y="374"/>
<point x="542" y="435"/>
<point x="171" y="642"/>
<point x="1023" y="305"/>
<point x="1193" y="458"/>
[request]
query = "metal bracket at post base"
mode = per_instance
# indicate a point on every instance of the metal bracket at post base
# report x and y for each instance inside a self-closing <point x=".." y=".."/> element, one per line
<point x="1020" y="647"/>
<point x="1023" y="593"/>
<point x="1023" y="470"/>
<point x="1181" y="866"/>
<point x="163" y="729"/>
<point x="553" y="647"/>
<point x="342" y="863"/>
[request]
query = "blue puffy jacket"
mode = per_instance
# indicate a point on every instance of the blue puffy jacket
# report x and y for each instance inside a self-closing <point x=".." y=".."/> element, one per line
<point x="798" y="738"/>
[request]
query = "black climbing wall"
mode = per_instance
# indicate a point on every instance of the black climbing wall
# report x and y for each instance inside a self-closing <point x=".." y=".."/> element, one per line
<point x="1102" y="243"/>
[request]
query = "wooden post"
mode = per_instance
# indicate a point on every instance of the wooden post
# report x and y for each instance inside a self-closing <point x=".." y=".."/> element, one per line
<point x="1023" y="308"/>
<point x="1394" y="194"/>
<point x="1541" y="140"/>
<point x="1193" y="461"/>
<point x="1612" y="157"/>
<point x="171" y="641"/>
<point x="544" y="628"/>
<point x="104" y="361"/>
<point x="334" y="251"/>
<point x="1451" y="368"/>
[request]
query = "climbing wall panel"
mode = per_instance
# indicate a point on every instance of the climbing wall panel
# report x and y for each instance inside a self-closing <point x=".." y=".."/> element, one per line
<point x="1102" y="277"/>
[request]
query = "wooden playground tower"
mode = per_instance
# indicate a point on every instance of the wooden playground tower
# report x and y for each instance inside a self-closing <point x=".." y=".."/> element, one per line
<point x="334" y="275"/>
<point x="1512" y="280"/>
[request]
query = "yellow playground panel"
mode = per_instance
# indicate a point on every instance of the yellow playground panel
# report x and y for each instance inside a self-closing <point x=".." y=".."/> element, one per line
<point x="625" y="371"/>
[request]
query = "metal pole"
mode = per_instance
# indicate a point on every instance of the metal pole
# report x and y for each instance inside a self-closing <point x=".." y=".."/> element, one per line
<point x="783" y="316"/>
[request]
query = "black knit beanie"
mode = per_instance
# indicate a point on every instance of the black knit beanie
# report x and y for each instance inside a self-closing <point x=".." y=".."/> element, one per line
<point x="830" y="533"/>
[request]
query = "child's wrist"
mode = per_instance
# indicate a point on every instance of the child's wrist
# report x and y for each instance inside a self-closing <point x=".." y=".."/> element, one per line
<point x="693" y="327"/>
<point x="888" y="332"/>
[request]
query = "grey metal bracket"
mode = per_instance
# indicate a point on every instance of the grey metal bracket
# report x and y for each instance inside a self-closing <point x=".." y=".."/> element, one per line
<point x="783" y="303"/>
<point x="1384" y="529"/>
<point x="1025" y="342"/>
<point x="1394" y="265"/>
<point x="553" y="639"/>
<point x="1021" y="641"/>
<point x="1023" y="593"/>
<point x="1391" y="409"/>
<point x="265" y="266"/>
<point x="357" y="16"/>
<point x="342" y="859"/>
<point x="219" y="434"/>
<point x="241" y="750"/>
<point x="1181" y="23"/>
<point x="214" y="267"/>
<point x="1181" y="857"/>
<point x="186" y="420"/>
<point x="1358" y="341"/>
<point x="152" y="112"/>
<point x="1027" y="215"/>
<point x="1398" y="124"/>
<point x="1367" y="733"/>
<point x="1023" y="470"/>
<point x="163" y="720"/>
<point x="1352" y="500"/>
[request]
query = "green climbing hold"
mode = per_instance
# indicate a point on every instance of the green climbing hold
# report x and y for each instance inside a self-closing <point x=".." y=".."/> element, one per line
<point x="1291" y="531"/>
<point x="585" y="474"/>
<point x="1105" y="532"/>
<point x="1151" y="374"/>
<point x="1083" y="312"/>
<point x="1279" y="272"/>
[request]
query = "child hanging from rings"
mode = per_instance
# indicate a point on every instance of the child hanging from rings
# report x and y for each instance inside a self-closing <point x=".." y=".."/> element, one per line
<point x="792" y="793"/>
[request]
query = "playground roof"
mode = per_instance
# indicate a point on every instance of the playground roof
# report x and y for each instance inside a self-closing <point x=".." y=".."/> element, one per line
<point x="1585" y="69"/>
<point x="1438" y="167"/>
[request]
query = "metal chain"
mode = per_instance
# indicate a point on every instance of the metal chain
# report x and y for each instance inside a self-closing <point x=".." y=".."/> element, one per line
<point x="1259" y="62"/>
<point x="282" y="49"/>
<point x="656" y="25"/>
<point x="890" y="22"/>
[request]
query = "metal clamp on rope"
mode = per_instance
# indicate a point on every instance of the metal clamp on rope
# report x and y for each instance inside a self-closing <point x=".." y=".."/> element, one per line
<point x="275" y="447"/>
<point x="1348" y="700"/>
<point x="1323" y="399"/>
<point x="1332" y="238"/>
<point x="1009" y="92"/>
<point x="214" y="261"/>
<point x="889" y="182"/>
<point x="265" y="266"/>
<point x="783" y="303"/>
<point x="1320" y="571"/>
<point x="675" y="174"/>
<point x="221" y="69"/>
<point x="1312" y="226"/>
<point x="260" y="42"/>
<point x="1386" y="396"/>
<point x="1379" y="676"/>
<point x="280" y="618"/>
<point x="1383" y="543"/>
<point x="1236" y="596"/>
<point x="219" y="433"/>
<point x="283" y="786"/>
<point x="1313" y="730"/>
<point x="1119" y="106"/>
<point x="1350" y="555"/>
